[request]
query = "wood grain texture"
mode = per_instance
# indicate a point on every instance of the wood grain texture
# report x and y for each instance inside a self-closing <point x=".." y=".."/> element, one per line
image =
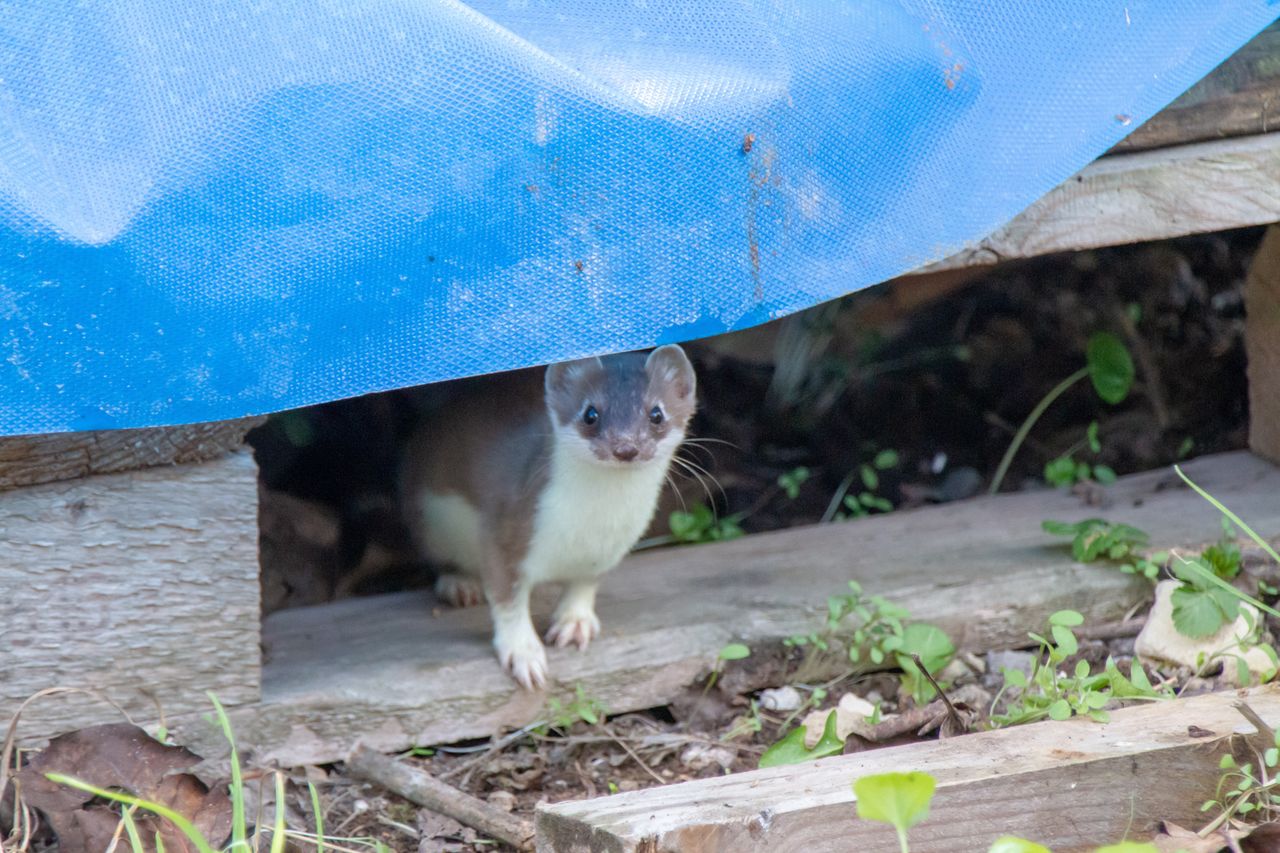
<point x="392" y="672"/>
<point x="27" y="460"/>
<point x="1148" y="195"/>
<point x="139" y="584"/>
<point x="1240" y="97"/>
<point x="1070" y="785"/>
<point x="1262" y="346"/>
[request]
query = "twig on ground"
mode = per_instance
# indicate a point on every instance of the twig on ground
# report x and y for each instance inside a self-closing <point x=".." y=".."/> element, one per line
<point x="427" y="791"/>
<point x="957" y="723"/>
<point x="1258" y="723"/>
<point x="634" y="757"/>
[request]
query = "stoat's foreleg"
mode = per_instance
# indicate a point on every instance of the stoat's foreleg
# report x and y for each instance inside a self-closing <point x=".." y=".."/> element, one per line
<point x="519" y="650"/>
<point x="575" y="618"/>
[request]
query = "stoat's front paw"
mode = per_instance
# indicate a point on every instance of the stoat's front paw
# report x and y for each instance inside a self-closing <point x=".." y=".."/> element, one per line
<point x="578" y="627"/>
<point x="522" y="655"/>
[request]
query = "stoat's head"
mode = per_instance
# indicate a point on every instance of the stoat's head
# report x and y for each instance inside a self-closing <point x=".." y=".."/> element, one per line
<point x="625" y="409"/>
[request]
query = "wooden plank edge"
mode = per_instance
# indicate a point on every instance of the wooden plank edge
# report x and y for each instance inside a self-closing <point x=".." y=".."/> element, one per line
<point x="1140" y="197"/>
<point x="1067" y="784"/>
<point x="639" y="671"/>
<point x="28" y="460"/>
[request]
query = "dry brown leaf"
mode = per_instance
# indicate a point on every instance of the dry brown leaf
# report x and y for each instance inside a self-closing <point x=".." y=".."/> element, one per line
<point x="121" y="756"/>
<point x="1264" y="838"/>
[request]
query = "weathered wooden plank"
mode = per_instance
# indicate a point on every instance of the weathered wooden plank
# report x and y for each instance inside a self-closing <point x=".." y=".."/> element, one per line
<point x="1147" y="195"/>
<point x="392" y="672"/>
<point x="1239" y="98"/>
<point x="26" y="460"/>
<point x="1072" y="785"/>
<point x="140" y="585"/>
<point x="1262" y="345"/>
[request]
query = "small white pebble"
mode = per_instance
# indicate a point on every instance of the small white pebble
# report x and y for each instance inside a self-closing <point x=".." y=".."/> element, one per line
<point x="781" y="699"/>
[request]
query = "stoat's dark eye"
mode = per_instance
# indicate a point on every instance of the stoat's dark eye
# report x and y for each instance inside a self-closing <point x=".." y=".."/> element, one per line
<point x="655" y="415"/>
<point x="590" y="416"/>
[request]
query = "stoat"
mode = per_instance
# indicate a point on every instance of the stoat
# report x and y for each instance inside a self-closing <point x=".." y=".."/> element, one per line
<point x="545" y="476"/>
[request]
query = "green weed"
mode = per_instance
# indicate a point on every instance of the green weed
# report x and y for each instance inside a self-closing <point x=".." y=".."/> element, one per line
<point x="1109" y="367"/>
<point x="1049" y="692"/>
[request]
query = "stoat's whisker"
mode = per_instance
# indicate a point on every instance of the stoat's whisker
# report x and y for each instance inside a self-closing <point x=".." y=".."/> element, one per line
<point x="698" y="447"/>
<point x="706" y="440"/>
<point x="698" y="472"/>
<point x="675" y="488"/>
<point x="690" y="474"/>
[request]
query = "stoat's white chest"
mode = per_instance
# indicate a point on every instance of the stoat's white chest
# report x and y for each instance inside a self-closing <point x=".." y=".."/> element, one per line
<point x="589" y="516"/>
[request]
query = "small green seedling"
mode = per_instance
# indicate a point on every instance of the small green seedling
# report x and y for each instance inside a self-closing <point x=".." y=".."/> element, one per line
<point x="1010" y="844"/>
<point x="861" y="633"/>
<point x="1066" y="470"/>
<point x="733" y="651"/>
<point x="1244" y="792"/>
<point x="561" y="716"/>
<point x="866" y="500"/>
<point x="1109" y="367"/>
<point x="791" y="749"/>
<point x="1095" y="539"/>
<point x="1049" y="692"/>
<point x="898" y="799"/>
<point x="700" y="524"/>
<point x="791" y="481"/>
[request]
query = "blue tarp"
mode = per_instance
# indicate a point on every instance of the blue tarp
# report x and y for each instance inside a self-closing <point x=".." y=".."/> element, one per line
<point x="214" y="209"/>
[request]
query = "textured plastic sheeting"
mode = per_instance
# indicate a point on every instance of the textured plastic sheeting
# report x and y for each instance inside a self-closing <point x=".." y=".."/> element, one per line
<point x="238" y="206"/>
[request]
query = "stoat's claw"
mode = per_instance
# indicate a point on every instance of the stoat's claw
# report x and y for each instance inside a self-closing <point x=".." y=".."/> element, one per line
<point x="525" y="659"/>
<point x="459" y="590"/>
<point x="574" y="628"/>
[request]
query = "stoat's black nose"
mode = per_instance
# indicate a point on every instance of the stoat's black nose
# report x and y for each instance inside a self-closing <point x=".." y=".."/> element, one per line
<point x="625" y="452"/>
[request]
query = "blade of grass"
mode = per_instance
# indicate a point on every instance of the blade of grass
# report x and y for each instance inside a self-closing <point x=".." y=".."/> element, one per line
<point x="319" y="813"/>
<point x="277" y="833"/>
<point x="1219" y="582"/>
<point x="131" y="829"/>
<point x="159" y="843"/>
<point x="1235" y="519"/>
<point x="238" y="841"/>
<point x="1021" y="435"/>
<point x="184" y="825"/>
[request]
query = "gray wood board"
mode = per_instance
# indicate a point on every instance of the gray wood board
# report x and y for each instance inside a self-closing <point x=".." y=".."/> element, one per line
<point x="394" y="671"/>
<point x="27" y="460"/>
<point x="1142" y="196"/>
<point x="140" y="585"/>
<point x="1072" y="785"/>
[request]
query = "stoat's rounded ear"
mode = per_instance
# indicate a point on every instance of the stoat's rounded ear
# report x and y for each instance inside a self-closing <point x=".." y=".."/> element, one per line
<point x="564" y="376"/>
<point x="669" y="366"/>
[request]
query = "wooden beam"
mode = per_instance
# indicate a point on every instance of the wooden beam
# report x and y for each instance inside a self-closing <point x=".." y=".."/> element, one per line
<point x="1262" y="345"/>
<point x="1072" y="785"/>
<point x="138" y="585"/>
<point x="1239" y="98"/>
<point x="1148" y="195"/>
<point x="27" y="460"/>
<point x="393" y="671"/>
